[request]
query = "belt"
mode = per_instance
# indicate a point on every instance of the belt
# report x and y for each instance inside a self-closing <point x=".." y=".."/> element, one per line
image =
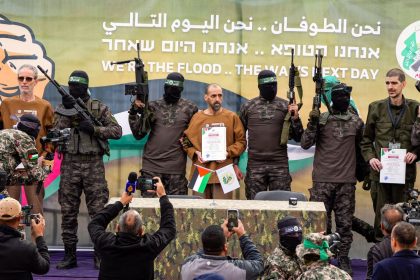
<point x="80" y="157"/>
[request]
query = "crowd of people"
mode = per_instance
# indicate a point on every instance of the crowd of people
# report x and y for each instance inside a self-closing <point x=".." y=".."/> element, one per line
<point x="174" y="127"/>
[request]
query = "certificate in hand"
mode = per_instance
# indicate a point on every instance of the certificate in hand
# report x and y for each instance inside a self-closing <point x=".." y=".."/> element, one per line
<point x="213" y="143"/>
<point x="393" y="166"/>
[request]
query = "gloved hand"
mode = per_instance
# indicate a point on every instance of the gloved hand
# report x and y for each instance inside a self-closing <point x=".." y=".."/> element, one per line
<point x="134" y="110"/>
<point x="314" y="117"/>
<point x="87" y="126"/>
<point x="68" y="101"/>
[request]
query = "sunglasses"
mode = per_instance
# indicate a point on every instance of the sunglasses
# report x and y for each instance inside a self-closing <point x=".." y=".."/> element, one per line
<point x="27" y="79"/>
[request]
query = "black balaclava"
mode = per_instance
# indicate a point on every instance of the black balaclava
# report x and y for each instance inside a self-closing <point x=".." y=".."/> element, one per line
<point x="78" y="85"/>
<point x="174" y="84"/>
<point x="267" y="83"/>
<point x="340" y="97"/>
<point x="30" y="124"/>
<point x="290" y="232"/>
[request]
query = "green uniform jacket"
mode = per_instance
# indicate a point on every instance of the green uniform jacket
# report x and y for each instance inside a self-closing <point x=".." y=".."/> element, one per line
<point x="379" y="132"/>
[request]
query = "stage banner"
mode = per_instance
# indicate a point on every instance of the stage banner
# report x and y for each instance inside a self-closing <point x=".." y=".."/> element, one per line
<point x="223" y="41"/>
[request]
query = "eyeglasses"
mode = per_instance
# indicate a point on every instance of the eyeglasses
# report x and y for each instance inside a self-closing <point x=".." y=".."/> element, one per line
<point x="27" y="79"/>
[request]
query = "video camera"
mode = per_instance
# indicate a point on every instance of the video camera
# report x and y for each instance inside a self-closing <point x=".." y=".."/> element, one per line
<point x="58" y="138"/>
<point x="333" y="239"/>
<point x="412" y="207"/>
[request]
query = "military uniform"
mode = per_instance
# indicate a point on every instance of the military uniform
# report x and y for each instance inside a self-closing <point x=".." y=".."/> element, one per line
<point x="316" y="244"/>
<point x="268" y="166"/>
<point x="18" y="147"/>
<point x="163" y="154"/>
<point x="379" y="133"/>
<point x="323" y="271"/>
<point x="281" y="264"/>
<point x="82" y="168"/>
<point x="334" y="169"/>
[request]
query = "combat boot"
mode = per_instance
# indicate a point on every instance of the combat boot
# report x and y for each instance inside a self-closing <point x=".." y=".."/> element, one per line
<point x="344" y="264"/>
<point x="69" y="260"/>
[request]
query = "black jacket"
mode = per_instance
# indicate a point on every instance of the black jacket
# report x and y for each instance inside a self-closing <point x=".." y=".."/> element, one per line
<point x="128" y="256"/>
<point x="20" y="258"/>
<point x="378" y="252"/>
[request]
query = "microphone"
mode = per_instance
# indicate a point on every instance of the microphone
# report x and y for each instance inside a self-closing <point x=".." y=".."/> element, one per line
<point x="130" y="187"/>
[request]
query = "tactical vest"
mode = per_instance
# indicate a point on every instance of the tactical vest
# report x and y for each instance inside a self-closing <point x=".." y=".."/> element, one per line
<point x="81" y="142"/>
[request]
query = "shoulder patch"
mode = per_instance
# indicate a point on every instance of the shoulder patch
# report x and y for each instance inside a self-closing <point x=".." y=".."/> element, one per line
<point x="33" y="156"/>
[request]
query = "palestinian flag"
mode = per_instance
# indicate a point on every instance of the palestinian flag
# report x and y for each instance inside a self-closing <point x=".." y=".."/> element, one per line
<point x="200" y="178"/>
<point x="33" y="157"/>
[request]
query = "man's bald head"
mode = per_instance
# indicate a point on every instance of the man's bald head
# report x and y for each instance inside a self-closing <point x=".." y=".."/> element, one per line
<point x="130" y="222"/>
<point x="390" y="216"/>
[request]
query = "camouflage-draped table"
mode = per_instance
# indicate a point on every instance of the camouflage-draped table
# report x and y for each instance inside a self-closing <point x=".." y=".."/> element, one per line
<point x="193" y="215"/>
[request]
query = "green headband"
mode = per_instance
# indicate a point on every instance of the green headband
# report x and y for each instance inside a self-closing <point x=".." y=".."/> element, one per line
<point x="80" y="80"/>
<point x="267" y="80"/>
<point x="174" y="83"/>
<point x="323" y="255"/>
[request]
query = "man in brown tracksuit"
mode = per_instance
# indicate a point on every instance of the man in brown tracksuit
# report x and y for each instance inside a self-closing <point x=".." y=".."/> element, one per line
<point x="215" y="114"/>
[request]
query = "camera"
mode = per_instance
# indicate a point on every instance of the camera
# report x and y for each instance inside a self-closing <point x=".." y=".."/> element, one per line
<point x="27" y="216"/>
<point x="293" y="201"/>
<point x="58" y="138"/>
<point x="232" y="216"/>
<point x="333" y="239"/>
<point x="412" y="207"/>
<point x="146" y="183"/>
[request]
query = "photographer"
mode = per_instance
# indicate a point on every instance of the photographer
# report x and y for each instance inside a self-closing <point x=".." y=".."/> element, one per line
<point x="131" y="246"/>
<point x="390" y="216"/>
<point x="283" y="263"/>
<point x="19" y="258"/>
<point x="214" y="257"/>
<point x="315" y="253"/>
<point x="17" y="148"/>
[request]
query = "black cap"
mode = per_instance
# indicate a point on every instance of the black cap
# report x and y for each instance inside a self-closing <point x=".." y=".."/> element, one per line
<point x="288" y="225"/>
<point x="79" y="77"/>
<point x="30" y="124"/>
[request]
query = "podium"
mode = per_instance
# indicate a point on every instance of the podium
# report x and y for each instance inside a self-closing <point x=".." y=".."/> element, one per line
<point x="192" y="216"/>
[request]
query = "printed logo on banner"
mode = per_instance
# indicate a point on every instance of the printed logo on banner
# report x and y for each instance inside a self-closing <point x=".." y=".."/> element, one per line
<point x="408" y="50"/>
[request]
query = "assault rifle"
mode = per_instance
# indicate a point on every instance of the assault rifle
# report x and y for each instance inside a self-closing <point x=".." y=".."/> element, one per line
<point x="291" y="93"/>
<point x="79" y="108"/>
<point x="140" y="88"/>
<point x="319" y="84"/>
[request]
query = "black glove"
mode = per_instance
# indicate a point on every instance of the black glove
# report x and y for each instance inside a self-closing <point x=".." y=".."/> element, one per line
<point x="314" y="117"/>
<point x="134" y="110"/>
<point x="68" y="101"/>
<point x="87" y="126"/>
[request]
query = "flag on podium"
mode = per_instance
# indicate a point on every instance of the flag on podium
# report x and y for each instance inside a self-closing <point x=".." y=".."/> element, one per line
<point x="227" y="178"/>
<point x="200" y="178"/>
